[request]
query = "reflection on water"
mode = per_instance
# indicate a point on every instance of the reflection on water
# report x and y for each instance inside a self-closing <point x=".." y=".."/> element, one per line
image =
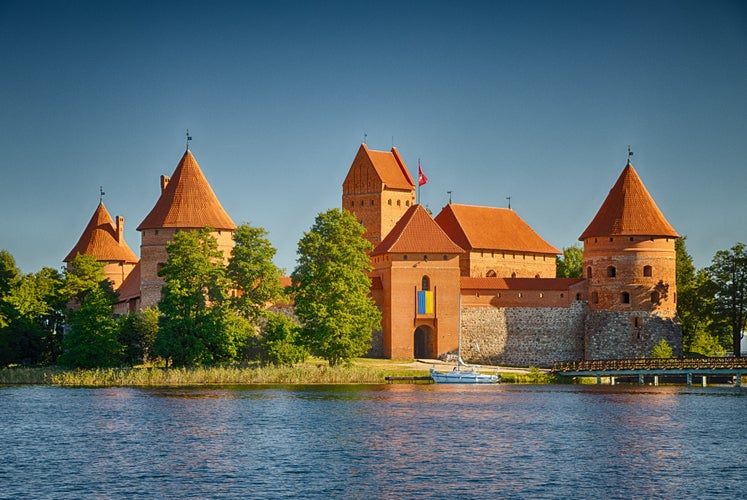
<point x="389" y="441"/>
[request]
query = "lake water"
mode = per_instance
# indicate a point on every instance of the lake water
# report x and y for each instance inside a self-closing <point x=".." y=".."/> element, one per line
<point x="388" y="441"/>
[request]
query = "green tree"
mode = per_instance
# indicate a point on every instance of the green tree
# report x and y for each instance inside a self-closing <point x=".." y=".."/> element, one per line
<point x="9" y="277"/>
<point x="194" y="311"/>
<point x="728" y="271"/>
<point x="332" y="288"/>
<point x="571" y="264"/>
<point x="252" y="271"/>
<point x="92" y="339"/>
<point x="662" y="350"/>
<point x="282" y="343"/>
<point x="137" y="332"/>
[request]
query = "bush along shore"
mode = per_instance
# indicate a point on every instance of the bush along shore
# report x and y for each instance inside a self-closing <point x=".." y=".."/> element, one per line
<point x="363" y="371"/>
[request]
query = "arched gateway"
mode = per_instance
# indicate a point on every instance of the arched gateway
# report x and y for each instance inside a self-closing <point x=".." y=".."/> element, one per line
<point x="424" y="343"/>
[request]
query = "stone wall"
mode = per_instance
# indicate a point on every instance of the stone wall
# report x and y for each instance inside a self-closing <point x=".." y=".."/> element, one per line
<point x="523" y="336"/>
<point x="629" y="334"/>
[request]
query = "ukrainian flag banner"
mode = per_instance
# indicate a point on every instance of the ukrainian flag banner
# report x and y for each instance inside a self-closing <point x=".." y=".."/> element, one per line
<point x="425" y="302"/>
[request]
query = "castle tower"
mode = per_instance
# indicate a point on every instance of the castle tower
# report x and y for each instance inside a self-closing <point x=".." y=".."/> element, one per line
<point x="630" y="266"/>
<point x="378" y="190"/>
<point x="104" y="240"/>
<point x="187" y="202"/>
<point x="417" y="266"/>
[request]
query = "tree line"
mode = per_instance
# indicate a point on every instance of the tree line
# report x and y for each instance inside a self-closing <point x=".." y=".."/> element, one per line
<point x="211" y="311"/>
<point x="711" y="302"/>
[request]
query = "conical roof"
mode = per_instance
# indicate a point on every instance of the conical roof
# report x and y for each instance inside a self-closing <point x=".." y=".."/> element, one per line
<point x="629" y="210"/>
<point x="187" y="201"/>
<point x="491" y="228"/>
<point x="417" y="232"/>
<point x="102" y="240"/>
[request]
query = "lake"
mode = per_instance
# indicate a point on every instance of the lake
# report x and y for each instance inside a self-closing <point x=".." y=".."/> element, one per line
<point x="384" y="441"/>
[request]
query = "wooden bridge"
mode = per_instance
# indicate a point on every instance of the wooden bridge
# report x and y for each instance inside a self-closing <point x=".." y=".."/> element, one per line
<point x="655" y="368"/>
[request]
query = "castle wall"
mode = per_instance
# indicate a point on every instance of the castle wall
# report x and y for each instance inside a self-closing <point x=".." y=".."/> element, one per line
<point x="378" y="211"/>
<point x="629" y="334"/>
<point x="479" y="263"/>
<point x="523" y="336"/>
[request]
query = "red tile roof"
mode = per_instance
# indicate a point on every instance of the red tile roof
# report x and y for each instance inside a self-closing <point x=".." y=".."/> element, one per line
<point x="188" y="201"/>
<point x="416" y="231"/>
<point x="388" y="166"/>
<point x="491" y="228"/>
<point x="629" y="210"/>
<point x="99" y="239"/>
<point x="468" y="283"/>
<point x="130" y="287"/>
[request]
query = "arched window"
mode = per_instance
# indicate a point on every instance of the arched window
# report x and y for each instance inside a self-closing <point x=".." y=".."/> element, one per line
<point x="625" y="297"/>
<point x="588" y="272"/>
<point x="655" y="297"/>
<point x="390" y="201"/>
<point x="647" y="271"/>
<point x="425" y="284"/>
<point x="513" y="275"/>
<point x="611" y="272"/>
<point x="490" y="274"/>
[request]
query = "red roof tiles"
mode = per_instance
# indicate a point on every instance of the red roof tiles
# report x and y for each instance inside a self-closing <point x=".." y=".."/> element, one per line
<point x="102" y="240"/>
<point x="629" y="210"/>
<point x="387" y="165"/>
<point x="469" y="283"/>
<point x="416" y="231"/>
<point x="187" y="201"/>
<point x="130" y="287"/>
<point x="490" y="228"/>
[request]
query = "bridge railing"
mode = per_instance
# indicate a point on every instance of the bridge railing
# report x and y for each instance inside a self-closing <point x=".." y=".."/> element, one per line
<point x="649" y="364"/>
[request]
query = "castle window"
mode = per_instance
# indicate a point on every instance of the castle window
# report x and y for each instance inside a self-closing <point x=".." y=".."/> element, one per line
<point x="588" y="272"/>
<point x="655" y="297"/>
<point x="611" y="272"/>
<point x="372" y="203"/>
<point x="595" y="298"/>
<point x="404" y="257"/>
<point x="632" y="239"/>
<point x="407" y="203"/>
<point x="352" y="203"/>
<point x="541" y="295"/>
<point x="625" y="298"/>
<point x="390" y="202"/>
<point x="637" y="323"/>
<point x="155" y="232"/>
<point x="513" y="275"/>
<point x="425" y="258"/>
<point x="399" y="203"/>
<point x="520" y="295"/>
<point x="446" y="257"/>
<point x="578" y="296"/>
<point x="612" y="239"/>
<point x="362" y="202"/>
<point x="647" y="271"/>
<point x="490" y="274"/>
<point x="536" y="275"/>
<point x="425" y="283"/>
<point x="562" y="295"/>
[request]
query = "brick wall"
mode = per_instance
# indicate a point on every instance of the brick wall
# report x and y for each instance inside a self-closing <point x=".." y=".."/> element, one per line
<point x="629" y="334"/>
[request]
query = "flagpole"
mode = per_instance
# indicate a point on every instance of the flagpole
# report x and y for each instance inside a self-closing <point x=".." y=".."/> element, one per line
<point x="417" y="201"/>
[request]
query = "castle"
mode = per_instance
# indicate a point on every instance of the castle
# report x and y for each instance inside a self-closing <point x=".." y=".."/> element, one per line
<point x="471" y="272"/>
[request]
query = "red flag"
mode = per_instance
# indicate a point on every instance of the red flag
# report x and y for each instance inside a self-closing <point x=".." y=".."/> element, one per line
<point x="422" y="179"/>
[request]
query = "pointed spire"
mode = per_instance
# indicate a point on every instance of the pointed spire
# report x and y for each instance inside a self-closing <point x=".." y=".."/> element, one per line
<point x="102" y="239"/>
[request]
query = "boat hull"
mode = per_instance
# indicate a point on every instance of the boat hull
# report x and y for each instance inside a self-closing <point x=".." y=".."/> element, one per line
<point x="463" y="377"/>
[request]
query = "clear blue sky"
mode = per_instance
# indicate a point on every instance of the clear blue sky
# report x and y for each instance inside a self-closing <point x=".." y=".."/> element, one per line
<point x="533" y="100"/>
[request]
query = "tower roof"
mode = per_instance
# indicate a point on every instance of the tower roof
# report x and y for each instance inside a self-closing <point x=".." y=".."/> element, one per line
<point x="187" y="201"/>
<point x="490" y="228"/>
<point x="629" y="210"/>
<point x="416" y="231"/>
<point x="387" y="165"/>
<point x="102" y="239"/>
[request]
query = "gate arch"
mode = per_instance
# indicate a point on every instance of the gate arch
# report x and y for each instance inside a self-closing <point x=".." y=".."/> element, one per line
<point x="424" y="345"/>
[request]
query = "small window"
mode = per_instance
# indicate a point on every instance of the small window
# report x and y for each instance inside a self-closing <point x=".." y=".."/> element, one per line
<point x="490" y="274"/>
<point x="390" y="202"/>
<point x="655" y="297"/>
<point x="578" y="296"/>
<point x="352" y="203"/>
<point x="372" y="203"/>
<point x="513" y="275"/>
<point x="541" y="295"/>
<point x="520" y="295"/>
<point x="362" y="202"/>
<point x="399" y="203"/>
<point x="611" y="272"/>
<point x="446" y="257"/>
<point x="647" y="271"/>
<point x="588" y="272"/>
<point x="595" y="298"/>
<point x="407" y="203"/>
<point x="425" y="284"/>
<point x="625" y="298"/>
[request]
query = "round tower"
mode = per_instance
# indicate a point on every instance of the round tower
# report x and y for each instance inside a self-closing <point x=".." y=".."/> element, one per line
<point x="630" y="267"/>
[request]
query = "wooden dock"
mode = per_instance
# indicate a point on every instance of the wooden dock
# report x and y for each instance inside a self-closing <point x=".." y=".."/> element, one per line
<point x="412" y="380"/>
<point x="655" y="369"/>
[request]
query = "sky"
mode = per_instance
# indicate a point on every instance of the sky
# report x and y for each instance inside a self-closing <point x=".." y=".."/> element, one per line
<point x="537" y="101"/>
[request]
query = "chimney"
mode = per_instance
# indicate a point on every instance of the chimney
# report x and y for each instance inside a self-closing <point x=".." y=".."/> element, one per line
<point x="164" y="182"/>
<point x="120" y="229"/>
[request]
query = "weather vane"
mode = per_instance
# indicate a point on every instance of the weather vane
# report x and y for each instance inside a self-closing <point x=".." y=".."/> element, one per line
<point x="630" y="153"/>
<point x="189" y="138"/>
<point x="509" y="202"/>
<point x="101" y="194"/>
<point x="449" y="193"/>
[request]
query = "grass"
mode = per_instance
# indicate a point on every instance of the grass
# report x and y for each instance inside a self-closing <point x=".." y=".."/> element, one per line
<point x="314" y="371"/>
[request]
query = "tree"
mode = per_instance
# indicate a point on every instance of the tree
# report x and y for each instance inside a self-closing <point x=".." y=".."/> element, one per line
<point x="137" y="332"/>
<point x="9" y="276"/>
<point x="662" y="350"/>
<point x="252" y="271"/>
<point x="332" y="288"/>
<point x="728" y="272"/>
<point x="571" y="264"/>
<point x="194" y="311"/>
<point x="282" y="345"/>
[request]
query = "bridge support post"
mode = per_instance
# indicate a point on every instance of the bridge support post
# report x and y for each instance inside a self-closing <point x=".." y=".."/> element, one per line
<point x="705" y="381"/>
<point x="599" y="379"/>
<point x="738" y="380"/>
<point x="689" y="379"/>
<point x="640" y="379"/>
<point x="656" y="380"/>
<point x="612" y="380"/>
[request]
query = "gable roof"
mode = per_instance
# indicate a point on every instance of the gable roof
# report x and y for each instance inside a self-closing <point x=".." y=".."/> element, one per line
<point x="490" y="228"/>
<point x="187" y="201"/>
<point x="416" y="231"/>
<point x="130" y="287"/>
<point x="388" y="166"/>
<point x="102" y="240"/>
<point x="629" y="210"/>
